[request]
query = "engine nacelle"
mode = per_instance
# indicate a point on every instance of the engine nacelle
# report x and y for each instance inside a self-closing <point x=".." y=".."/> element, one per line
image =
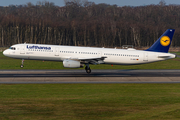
<point x="72" y="64"/>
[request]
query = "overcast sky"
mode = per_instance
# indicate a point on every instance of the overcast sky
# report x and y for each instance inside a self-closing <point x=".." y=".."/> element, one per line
<point x="112" y="2"/>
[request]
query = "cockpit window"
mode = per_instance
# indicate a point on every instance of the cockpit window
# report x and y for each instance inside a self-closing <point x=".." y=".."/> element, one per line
<point x="12" y="48"/>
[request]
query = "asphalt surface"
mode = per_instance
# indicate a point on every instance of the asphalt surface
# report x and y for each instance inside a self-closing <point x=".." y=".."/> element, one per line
<point x="80" y="76"/>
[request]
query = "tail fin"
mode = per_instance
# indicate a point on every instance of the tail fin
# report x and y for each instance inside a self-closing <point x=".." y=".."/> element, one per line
<point x="163" y="43"/>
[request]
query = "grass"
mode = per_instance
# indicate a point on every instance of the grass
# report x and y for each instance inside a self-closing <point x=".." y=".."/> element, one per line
<point x="92" y="101"/>
<point x="9" y="63"/>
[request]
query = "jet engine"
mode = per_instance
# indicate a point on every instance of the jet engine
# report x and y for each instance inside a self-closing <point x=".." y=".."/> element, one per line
<point x="72" y="64"/>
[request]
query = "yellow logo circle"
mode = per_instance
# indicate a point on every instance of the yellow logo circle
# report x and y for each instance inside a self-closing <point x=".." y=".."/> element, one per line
<point x="165" y="41"/>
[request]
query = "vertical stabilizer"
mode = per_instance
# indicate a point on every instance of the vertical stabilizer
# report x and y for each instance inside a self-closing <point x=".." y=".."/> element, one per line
<point x="163" y="43"/>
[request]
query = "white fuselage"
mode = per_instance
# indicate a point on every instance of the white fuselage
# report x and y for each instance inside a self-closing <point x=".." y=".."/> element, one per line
<point x="60" y="53"/>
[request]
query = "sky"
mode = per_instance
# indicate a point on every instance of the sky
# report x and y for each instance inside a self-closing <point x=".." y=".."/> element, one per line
<point x="111" y="2"/>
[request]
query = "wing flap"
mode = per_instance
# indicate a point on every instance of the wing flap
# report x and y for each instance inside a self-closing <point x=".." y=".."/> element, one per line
<point x="95" y="58"/>
<point x="90" y="60"/>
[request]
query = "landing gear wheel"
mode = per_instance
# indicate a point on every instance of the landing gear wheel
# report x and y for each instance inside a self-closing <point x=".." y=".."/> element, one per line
<point x="22" y="66"/>
<point x="88" y="71"/>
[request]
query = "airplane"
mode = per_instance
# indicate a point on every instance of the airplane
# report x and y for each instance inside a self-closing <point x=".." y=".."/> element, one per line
<point x="77" y="57"/>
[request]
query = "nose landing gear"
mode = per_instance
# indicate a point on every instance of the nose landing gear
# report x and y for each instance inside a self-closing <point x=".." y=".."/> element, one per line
<point x="22" y="63"/>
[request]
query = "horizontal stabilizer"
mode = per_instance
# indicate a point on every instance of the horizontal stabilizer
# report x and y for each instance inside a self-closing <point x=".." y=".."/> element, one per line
<point x="163" y="56"/>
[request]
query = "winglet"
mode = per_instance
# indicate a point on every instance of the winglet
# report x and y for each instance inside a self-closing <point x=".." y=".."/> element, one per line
<point x="163" y="43"/>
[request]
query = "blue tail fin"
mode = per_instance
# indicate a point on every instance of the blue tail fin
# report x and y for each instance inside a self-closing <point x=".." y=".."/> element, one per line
<point x="163" y="43"/>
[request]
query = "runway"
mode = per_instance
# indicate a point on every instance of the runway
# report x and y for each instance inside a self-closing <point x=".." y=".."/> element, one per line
<point x="73" y="76"/>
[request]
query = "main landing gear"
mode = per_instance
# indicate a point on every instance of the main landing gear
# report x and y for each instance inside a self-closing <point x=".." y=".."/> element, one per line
<point x="87" y="68"/>
<point x="22" y="63"/>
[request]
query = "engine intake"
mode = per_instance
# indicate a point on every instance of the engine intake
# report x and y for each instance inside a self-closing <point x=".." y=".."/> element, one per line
<point x="72" y="64"/>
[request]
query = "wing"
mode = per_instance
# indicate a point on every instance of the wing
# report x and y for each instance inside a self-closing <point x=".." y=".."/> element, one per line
<point x="90" y="60"/>
<point x="95" y="61"/>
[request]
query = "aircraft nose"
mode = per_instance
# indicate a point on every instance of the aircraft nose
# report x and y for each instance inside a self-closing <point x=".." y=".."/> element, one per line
<point x="5" y="52"/>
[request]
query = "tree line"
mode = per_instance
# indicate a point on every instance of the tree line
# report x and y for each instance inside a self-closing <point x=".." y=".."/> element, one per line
<point x="84" y="23"/>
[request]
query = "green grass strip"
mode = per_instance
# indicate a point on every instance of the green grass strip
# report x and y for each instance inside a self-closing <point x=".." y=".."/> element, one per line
<point x="90" y="101"/>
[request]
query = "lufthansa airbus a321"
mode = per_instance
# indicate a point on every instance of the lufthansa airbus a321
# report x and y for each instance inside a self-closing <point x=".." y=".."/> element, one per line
<point x="76" y="57"/>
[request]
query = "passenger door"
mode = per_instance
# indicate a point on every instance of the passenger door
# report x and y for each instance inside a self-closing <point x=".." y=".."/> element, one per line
<point x="22" y="49"/>
<point x="99" y="54"/>
<point x="56" y="51"/>
<point x="145" y="56"/>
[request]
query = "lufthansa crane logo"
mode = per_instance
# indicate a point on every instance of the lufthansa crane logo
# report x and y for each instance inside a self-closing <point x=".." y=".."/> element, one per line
<point x="165" y="41"/>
